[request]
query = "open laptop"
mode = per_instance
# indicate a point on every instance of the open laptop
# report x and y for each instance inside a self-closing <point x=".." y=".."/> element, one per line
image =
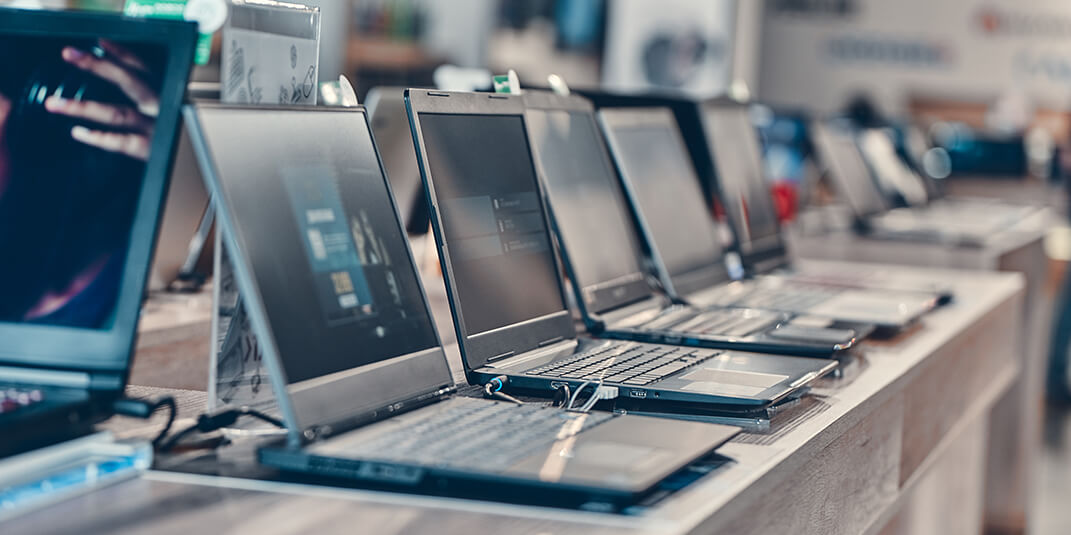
<point x="603" y="257"/>
<point x="916" y="196"/>
<point x="652" y="159"/>
<point x="80" y="203"/>
<point x="390" y="127"/>
<point x="359" y="373"/>
<point x="504" y="286"/>
<point x="848" y="169"/>
<point x="742" y="194"/>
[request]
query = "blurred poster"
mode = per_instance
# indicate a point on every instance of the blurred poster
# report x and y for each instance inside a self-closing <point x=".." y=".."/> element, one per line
<point x="818" y="54"/>
<point x="676" y="45"/>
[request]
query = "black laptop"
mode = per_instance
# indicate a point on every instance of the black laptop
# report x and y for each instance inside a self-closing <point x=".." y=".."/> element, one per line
<point x="605" y="262"/>
<point x="742" y="191"/>
<point x="80" y="202"/>
<point x="505" y="292"/>
<point x="680" y="230"/>
<point x="359" y="373"/>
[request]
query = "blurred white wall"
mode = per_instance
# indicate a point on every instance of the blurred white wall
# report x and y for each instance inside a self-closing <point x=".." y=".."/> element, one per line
<point x="818" y="53"/>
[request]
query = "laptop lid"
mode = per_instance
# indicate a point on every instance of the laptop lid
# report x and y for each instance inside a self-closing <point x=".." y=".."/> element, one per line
<point x="836" y="149"/>
<point x="741" y="183"/>
<point x="321" y="260"/>
<point x="390" y="127"/>
<point x="498" y="262"/>
<point x="654" y="167"/>
<point x="600" y="247"/>
<point x="89" y="107"/>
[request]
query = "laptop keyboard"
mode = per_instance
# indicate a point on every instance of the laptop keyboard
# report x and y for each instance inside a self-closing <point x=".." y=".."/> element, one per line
<point x="15" y="398"/>
<point x="629" y="364"/>
<point x="468" y="433"/>
<point x="795" y="298"/>
<point x="728" y="322"/>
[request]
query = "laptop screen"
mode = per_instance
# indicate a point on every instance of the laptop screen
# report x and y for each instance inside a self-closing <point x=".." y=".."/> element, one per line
<point x="89" y="107"/>
<point x="742" y="186"/>
<point x="656" y="165"/>
<point x="848" y="170"/>
<point x="329" y="259"/>
<point x="500" y="252"/>
<point x="77" y="117"/>
<point x="586" y="198"/>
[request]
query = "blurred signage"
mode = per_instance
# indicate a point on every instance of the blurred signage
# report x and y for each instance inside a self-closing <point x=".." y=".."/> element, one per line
<point x="978" y="50"/>
<point x="888" y="51"/>
<point x="827" y="8"/>
<point x="994" y="21"/>
<point x="1047" y="65"/>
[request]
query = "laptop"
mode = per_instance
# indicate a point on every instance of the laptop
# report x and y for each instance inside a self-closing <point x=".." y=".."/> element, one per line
<point x="504" y="284"/>
<point x="744" y="198"/>
<point x="604" y="259"/>
<point x="850" y="172"/>
<point x="915" y="197"/>
<point x="80" y="204"/>
<point x="358" y="370"/>
<point x="390" y="127"/>
<point x="680" y="231"/>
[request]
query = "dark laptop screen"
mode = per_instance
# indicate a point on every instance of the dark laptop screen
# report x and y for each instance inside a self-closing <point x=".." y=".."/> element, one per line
<point x="655" y="162"/>
<point x="500" y="251"/>
<point x="76" y="125"/>
<point x="586" y="198"/>
<point x="328" y="255"/>
<point x="837" y="150"/>
<point x="742" y="187"/>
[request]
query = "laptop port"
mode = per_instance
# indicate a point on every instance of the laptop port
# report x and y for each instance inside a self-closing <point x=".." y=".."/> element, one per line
<point x="637" y="393"/>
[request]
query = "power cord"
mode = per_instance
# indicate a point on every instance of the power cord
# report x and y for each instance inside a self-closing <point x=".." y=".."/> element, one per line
<point x="207" y="423"/>
<point x="601" y="392"/>
<point x="144" y="409"/>
<point x="493" y="390"/>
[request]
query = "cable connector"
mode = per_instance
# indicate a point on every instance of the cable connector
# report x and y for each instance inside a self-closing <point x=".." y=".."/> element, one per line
<point x="493" y="390"/>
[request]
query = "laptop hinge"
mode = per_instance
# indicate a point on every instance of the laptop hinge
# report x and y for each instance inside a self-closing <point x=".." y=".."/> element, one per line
<point x="549" y="341"/>
<point x="322" y="431"/>
<point x="40" y="376"/>
<point x="650" y="305"/>
<point x="551" y="348"/>
<point x="105" y="381"/>
<point x="501" y="356"/>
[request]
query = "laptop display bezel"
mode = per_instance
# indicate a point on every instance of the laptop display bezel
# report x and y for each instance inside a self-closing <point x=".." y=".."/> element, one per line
<point x="480" y="348"/>
<point x="600" y="296"/>
<point x="765" y="250"/>
<point x="676" y="284"/>
<point x="340" y="396"/>
<point x="109" y="351"/>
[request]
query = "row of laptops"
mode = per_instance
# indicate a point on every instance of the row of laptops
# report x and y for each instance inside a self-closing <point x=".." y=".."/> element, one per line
<point x="890" y="199"/>
<point x="322" y="263"/>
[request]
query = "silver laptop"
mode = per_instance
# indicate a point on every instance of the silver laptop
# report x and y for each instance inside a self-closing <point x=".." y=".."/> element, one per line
<point x="356" y="365"/>
<point x="680" y="230"/>
<point x="853" y="176"/>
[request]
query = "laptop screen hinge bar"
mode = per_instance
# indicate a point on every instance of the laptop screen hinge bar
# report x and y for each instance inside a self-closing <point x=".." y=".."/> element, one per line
<point x="550" y="341"/>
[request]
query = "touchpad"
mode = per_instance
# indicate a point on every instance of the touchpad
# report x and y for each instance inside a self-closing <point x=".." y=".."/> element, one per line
<point x="616" y="455"/>
<point x="730" y="383"/>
